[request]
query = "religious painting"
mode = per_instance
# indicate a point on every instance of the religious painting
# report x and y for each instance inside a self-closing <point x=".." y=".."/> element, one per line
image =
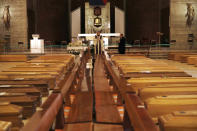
<point x="97" y="11"/>
<point x="97" y="22"/>
<point x="190" y="15"/>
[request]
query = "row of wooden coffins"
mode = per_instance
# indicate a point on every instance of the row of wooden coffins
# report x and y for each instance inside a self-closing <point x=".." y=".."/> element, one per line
<point x="168" y="94"/>
<point x="189" y="58"/>
<point x="22" y="86"/>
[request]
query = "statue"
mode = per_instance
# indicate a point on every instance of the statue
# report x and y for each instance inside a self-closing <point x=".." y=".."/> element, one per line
<point x="6" y="17"/>
<point x="190" y="15"/>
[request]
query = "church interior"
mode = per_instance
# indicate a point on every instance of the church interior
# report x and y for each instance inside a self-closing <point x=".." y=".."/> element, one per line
<point x="98" y="65"/>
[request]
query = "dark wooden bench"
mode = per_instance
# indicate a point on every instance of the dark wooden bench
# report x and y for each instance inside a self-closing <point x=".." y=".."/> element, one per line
<point x="81" y="109"/>
<point x="78" y="127"/>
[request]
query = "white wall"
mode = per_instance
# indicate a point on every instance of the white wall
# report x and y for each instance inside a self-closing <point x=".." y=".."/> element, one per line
<point x="119" y="21"/>
<point x="76" y="22"/>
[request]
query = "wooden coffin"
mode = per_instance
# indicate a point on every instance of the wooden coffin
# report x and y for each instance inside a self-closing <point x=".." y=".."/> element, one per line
<point x="158" y="106"/>
<point x="172" y="85"/>
<point x="5" y="126"/>
<point x="33" y="91"/>
<point x="42" y="88"/>
<point x="171" y="56"/>
<point x="11" y="113"/>
<point x="178" y="57"/>
<point x="178" y="123"/>
<point x="46" y="80"/>
<point x="186" y="113"/>
<point x="27" y="102"/>
<point x="184" y="58"/>
<point x="27" y="69"/>
<point x="134" y="84"/>
<point x="146" y="93"/>
<point x="192" y="60"/>
<point x="13" y="58"/>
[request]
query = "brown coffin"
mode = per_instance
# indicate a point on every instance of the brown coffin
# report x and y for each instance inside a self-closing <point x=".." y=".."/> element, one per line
<point x="158" y="106"/>
<point x="146" y="93"/>
<point x="12" y="113"/>
<point x="5" y="126"/>
<point x="27" y="102"/>
<point x="178" y="123"/>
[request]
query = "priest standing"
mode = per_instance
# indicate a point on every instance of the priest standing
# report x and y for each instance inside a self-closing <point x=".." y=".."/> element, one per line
<point x="121" y="47"/>
<point x="98" y="43"/>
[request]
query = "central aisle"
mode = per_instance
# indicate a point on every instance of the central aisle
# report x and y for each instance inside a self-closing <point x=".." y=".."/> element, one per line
<point x="97" y="113"/>
<point x="105" y="105"/>
<point x="100" y="80"/>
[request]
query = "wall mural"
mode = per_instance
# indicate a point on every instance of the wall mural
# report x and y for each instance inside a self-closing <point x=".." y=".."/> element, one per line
<point x="190" y="15"/>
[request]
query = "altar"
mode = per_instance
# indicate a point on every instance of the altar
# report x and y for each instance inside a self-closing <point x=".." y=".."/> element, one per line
<point x="106" y="37"/>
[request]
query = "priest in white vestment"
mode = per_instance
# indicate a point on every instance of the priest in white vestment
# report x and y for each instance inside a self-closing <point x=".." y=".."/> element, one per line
<point x="98" y="43"/>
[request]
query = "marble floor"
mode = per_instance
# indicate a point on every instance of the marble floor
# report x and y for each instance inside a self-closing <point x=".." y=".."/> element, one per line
<point x="190" y="69"/>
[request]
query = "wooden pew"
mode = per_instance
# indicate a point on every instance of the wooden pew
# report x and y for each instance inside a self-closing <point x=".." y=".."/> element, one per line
<point x="81" y="109"/>
<point x="13" y="58"/>
<point x="104" y="98"/>
<point x="44" y="118"/>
